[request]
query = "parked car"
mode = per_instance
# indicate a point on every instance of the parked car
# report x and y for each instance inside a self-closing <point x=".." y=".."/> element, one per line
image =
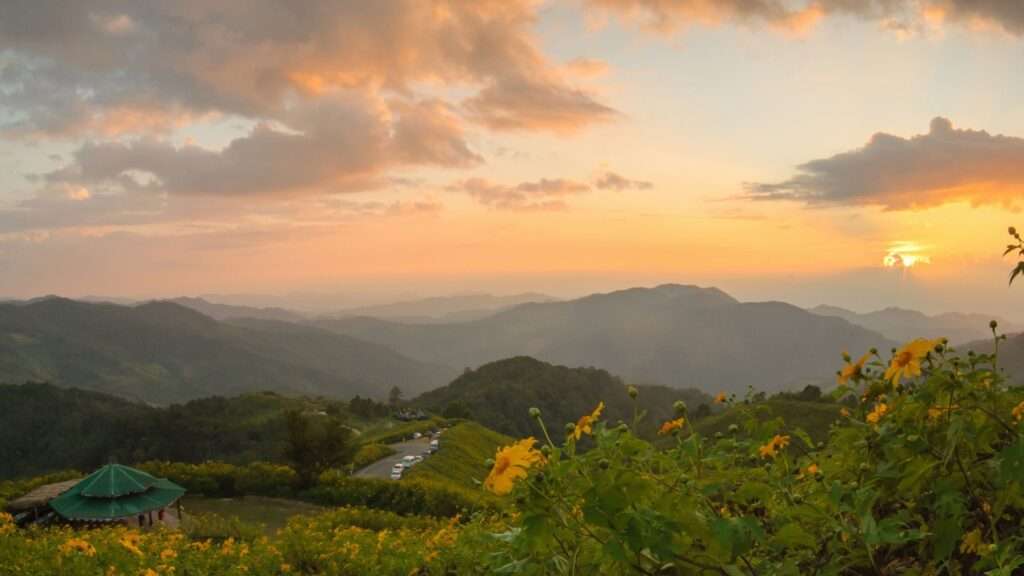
<point x="409" y="460"/>
<point x="435" y="444"/>
<point x="416" y="435"/>
<point x="396" y="471"/>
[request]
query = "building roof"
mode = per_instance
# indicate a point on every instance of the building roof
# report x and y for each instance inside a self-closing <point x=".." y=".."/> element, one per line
<point x="115" y="491"/>
<point x="41" y="496"/>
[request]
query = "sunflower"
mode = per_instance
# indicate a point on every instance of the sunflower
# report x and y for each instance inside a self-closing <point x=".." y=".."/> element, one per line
<point x="852" y="371"/>
<point x="771" y="449"/>
<point x="671" y="425"/>
<point x="511" y="464"/>
<point x="877" y="413"/>
<point x="907" y="361"/>
<point x="586" y="422"/>
<point x="77" y="545"/>
<point x="1018" y="412"/>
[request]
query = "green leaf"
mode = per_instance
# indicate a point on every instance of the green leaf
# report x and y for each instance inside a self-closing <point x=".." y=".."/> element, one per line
<point x="793" y="536"/>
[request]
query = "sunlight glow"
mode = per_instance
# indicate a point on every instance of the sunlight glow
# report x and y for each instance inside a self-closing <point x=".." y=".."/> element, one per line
<point x="905" y="255"/>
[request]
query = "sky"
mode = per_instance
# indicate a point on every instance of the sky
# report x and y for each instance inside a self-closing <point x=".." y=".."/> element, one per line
<point x="861" y="153"/>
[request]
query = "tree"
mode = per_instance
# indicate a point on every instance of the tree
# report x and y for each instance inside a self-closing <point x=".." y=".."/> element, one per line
<point x="394" y="396"/>
<point x="1018" y="247"/>
<point x="315" y="447"/>
<point x="810" y="393"/>
<point x="456" y="409"/>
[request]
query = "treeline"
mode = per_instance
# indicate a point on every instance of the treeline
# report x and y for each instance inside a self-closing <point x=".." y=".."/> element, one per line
<point x="45" y="428"/>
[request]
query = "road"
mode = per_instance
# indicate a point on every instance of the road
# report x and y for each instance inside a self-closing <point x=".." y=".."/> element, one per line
<point x="382" y="468"/>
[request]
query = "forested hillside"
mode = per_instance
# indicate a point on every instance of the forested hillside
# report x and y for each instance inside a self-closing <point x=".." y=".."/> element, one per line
<point x="499" y="395"/>
<point x="45" y="428"/>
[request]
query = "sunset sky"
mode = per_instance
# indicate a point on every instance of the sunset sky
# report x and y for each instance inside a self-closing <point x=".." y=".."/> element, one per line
<point x="778" y="149"/>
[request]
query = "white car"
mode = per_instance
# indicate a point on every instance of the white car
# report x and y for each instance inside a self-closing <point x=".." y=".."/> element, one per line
<point x="396" y="471"/>
<point x="409" y="460"/>
<point x="417" y="435"/>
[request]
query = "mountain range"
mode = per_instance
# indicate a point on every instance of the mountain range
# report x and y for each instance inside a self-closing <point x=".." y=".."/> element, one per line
<point x="459" y="308"/>
<point x="903" y="325"/>
<point x="672" y="335"/>
<point x="162" y="352"/>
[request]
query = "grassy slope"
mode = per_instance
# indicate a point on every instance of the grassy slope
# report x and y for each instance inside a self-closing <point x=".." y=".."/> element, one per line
<point x="461" y="459"/>
<point x="813" y="417"/>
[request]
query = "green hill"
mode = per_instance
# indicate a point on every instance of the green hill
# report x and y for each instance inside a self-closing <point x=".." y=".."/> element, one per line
<point x="500" y="394"/>
<point x="161" y="352"/>
<point x="461" y="458"/>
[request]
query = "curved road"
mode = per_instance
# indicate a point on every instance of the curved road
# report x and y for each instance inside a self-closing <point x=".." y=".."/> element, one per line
<point x="382" y="468"/>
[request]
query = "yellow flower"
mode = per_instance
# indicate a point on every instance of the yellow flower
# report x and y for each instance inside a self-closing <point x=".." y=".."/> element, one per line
<point x="671" y="425"/>
<point x="1018" y="412"/>
<point x="131" y="541"/>
<point x="971" y="542"/>
<point x="149" y="572"/>
<point x="844" y="412"/>
<point x="877" y="413"/>
<point x="720" y="399"/>
<point x="853" y="371"/>
<point x="907" y="361"/>
<point x="512" y="462"/>
<point x="77" y="545"/>
<point x="812" y="470"/>
<point x="168" y="554"/>
<point x="771" y="449"/>
<point x="586" y="422"/>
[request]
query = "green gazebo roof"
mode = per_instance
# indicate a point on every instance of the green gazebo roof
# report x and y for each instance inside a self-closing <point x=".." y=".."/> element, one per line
<point x="113" y="492"/>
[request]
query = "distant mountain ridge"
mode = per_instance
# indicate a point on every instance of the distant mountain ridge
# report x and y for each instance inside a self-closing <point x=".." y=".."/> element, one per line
<point x="902" y="325"/>
<point x="230" y="311"/>
<point x="162" y="352"/>
<point x="674" y="335"/>
<point x="461" y="308"/>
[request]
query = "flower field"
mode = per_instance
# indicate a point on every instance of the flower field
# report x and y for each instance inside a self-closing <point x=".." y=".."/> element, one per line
<point x="920" y="475"/>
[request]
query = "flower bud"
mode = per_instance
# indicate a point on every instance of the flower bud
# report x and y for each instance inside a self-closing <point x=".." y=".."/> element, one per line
<point x="489" y="462"/>
<point x="733" y="428"/>
<point x="680" y="407"/>
<point x="604" y="463"/>
<point x="570" y="427"/>
<point x="873" y="351"/>
<point x="632" y="391"/>
<point x="545" y="450"/>
<point x="993" y="324"/>
<point x="535" y="412"/>
<point x="846" y="356"/>
<point x="718" y="435"/>
<point x="1013" y="231"/>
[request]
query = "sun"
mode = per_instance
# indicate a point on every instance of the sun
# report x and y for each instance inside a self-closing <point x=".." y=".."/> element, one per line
<point x="905" y="255"/>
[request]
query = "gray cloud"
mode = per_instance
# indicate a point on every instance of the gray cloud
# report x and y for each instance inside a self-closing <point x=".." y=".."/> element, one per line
<point x="945" y="165"/>
<point x="669" y="15"/>
<point x="540" y="195"/>
<point x="332" y="146"/>
<point x="617" y="182"/>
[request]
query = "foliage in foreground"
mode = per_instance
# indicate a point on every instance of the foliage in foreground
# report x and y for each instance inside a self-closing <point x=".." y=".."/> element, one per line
<point x="921" y="475"/>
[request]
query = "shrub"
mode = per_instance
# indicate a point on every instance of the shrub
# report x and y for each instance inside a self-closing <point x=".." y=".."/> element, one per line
<point x="370" y="453"/>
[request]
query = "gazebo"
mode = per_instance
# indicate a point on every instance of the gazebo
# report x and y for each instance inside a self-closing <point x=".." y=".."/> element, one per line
<point x="116" y="493"/>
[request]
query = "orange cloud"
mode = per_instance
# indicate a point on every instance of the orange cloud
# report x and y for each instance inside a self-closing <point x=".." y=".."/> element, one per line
<point x="253" y="59"/>
<point x="943" y="166"/>
<point x="540" y="195"/>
